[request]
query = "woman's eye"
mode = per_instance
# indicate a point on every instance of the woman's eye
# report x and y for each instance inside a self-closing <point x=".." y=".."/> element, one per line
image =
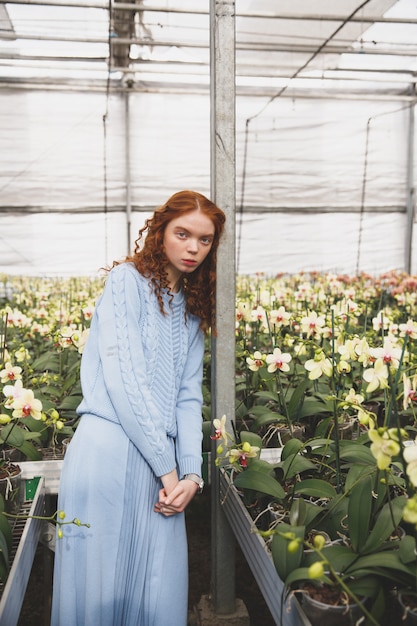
<point x="181" y="234"/>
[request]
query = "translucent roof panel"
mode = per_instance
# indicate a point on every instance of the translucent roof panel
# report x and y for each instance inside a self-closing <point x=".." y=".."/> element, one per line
<point x="154" y="43"/>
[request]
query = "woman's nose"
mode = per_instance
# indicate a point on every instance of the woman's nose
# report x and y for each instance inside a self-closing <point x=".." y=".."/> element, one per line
<point x="192" y="245"/>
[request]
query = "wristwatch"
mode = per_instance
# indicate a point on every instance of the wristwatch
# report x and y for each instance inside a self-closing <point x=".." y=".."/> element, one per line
<point x="196" y="479"/>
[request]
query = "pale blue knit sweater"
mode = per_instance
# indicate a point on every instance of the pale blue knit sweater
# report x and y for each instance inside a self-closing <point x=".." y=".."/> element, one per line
<point x="144" y="370"/>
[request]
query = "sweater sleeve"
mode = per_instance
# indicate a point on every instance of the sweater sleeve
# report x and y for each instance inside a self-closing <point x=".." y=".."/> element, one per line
<point x="189" y="404"/>
<point x="124" y="370"/>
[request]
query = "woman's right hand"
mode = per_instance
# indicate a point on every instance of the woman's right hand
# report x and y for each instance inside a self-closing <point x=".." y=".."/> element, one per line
<point x="170" y="481"/>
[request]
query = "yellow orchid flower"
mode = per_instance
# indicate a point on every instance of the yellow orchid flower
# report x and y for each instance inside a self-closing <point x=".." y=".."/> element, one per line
<point x="383" y="447"/>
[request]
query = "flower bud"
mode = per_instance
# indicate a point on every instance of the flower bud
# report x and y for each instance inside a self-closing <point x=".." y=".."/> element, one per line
<point x="319" y="541"/>
<point x="293" y="546"/>
<point x="316" y="570"/>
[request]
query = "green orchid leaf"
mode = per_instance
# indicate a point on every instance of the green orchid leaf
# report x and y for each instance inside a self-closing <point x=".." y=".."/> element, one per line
<point x="368" y="586"/>
<point x="389" y="561"/>
<point x="293" y="465"/>
<point x="33" y="425"/>
<point x="47" y="362"/>
<point x="252" y="438"/>
<point x="260" y="410"/>
<point x="30" y="452"/>
<point x="313" y="406"/>
<point x="70" y="402"/>
<point x="355" y="452"/>
<point x="298" y="512"/>
<point x="298" y="398"/>
<point x="12" y="435"/>
<point x="291" y="447"/>
<point x="357" y="473"/>
<point x="4" y="548"/>
<point x="387" y="521"/>
<point x="70" y="381"/>
<point x="67" y="430"/>
<point x="258" y="481"/>
<point x="286" y="561"/>
<point x="407" y="549"/>
<point x="315" y="487"/>
<point x="48" y="391"/>
<point x="4" y="567"/>
<point x="319" y="446"/>
<point x="268" y="417"/>
<point x="31" y="436"/>
<point x="359" y="512"/>
<point x="267" y="395"/>
<point x="5" y="527"/>
<point x="339" y="556"/>
<point x="378" y="594"/>
<point x="259" y="465"/>
<point x="300" y="575"/>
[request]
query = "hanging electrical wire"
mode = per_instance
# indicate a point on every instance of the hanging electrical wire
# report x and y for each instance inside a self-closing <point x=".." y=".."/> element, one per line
<point x="267" y="104"/>
<point x="365" y="179"/>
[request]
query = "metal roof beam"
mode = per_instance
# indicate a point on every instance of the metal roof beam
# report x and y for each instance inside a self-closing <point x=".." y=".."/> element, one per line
<point x="175" y="68"/>
<point x="147" y="86"/>
<point x="267" y="47"/>
<point x="127" y="6"/>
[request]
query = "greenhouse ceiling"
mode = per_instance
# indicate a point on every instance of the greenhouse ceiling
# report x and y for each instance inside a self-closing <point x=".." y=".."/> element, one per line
<point x="315" y="45"/>
<point x="105" y="110"/>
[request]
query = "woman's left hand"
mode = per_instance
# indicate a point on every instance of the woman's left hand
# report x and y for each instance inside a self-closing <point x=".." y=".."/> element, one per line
<point x="178" y="498"/>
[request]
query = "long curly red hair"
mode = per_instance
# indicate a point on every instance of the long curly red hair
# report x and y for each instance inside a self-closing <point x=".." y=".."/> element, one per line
<point x="149" y="255"/>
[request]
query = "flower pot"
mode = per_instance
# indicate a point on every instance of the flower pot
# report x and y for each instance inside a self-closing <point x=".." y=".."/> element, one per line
<point x="13" y="454"/>
<point x="65" y="443"/>
<point x="11" y="487"/>
<point x="322" y="612"/>
<point x="277" y="512"/>
<point x="278" y="435"/>
<point x="408" y="604"/>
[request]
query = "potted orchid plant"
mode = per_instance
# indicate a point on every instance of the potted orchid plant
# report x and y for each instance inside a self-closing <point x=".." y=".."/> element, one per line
<point x="343" y="361"/>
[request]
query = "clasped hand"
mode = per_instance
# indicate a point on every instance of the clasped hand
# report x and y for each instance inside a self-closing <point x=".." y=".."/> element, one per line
<point x="178" y="498"/>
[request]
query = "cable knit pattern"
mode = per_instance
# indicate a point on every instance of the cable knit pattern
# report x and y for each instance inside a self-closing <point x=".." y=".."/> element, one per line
<point x="141" y="375"/>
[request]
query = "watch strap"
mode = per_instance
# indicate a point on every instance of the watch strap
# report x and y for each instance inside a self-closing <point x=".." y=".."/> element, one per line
<point x="196" y="479"/>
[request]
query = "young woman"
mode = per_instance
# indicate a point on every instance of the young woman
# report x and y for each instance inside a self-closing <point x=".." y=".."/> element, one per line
<point x="134" y="462"/>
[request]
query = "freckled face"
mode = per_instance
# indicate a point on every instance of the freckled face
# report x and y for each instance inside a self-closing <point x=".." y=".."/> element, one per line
<point x="187" y="242"/>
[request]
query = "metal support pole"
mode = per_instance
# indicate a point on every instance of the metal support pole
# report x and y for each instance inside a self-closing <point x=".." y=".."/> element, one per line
<point x="128" y="173"/>
<point x="222" y="71"/>
<point x="410" y="193"/>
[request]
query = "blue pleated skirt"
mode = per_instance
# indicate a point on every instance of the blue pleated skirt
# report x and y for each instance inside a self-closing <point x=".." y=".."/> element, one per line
<point x="130" y="568"/>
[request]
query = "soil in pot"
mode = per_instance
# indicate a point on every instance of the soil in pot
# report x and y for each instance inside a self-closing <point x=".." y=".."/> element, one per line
<point x="326" y="605"/>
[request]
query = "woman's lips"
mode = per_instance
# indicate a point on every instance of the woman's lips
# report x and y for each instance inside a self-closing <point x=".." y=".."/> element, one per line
<point x="189" y="262"/>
